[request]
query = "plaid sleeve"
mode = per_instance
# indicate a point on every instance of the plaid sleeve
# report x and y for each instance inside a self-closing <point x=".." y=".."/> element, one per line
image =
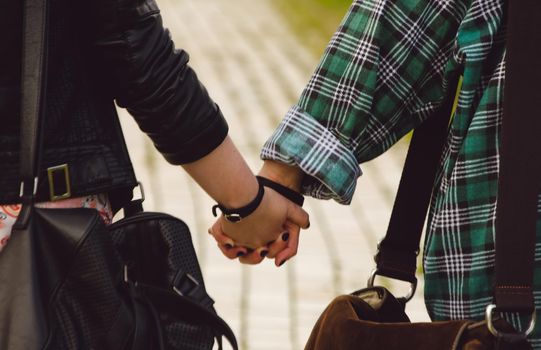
<point x="380" y="76"/>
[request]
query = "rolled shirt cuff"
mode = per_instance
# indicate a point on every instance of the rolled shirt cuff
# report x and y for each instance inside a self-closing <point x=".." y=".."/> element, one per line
<point x="331" y="167"/>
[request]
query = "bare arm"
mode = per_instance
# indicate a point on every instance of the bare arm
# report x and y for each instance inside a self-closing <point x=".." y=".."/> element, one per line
<point x="225" y="176"/>
<point x="273" y="229"/>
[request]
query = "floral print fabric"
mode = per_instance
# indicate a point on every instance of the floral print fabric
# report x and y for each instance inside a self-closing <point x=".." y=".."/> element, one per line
<point x="10" y="212"/>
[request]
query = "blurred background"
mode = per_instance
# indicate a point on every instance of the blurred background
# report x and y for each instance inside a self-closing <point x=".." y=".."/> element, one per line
<point x="254" y="57"/>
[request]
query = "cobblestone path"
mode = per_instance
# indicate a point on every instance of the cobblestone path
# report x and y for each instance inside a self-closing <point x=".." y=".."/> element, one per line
<point x="255" y="68"/>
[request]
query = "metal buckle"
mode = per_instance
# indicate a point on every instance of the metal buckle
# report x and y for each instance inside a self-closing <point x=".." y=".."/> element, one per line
<point x="34" y="190"/>
<point x="141" y="191"/>
<point x="408" y="297"/>
<point x="51" y="175"/>
<point x="187" y="282"/>
<point x="490" y="325"/>
<point x="234" y="217"/>
<point x="126" y="275"/>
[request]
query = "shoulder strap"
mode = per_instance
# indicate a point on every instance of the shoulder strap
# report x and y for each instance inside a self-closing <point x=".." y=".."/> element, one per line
<point x="33" y="78"/>
<point x="397" y="252"/>
<point x="32" y="91"/>
<point x="520" y="159"/>
<point x="190" y="311"/>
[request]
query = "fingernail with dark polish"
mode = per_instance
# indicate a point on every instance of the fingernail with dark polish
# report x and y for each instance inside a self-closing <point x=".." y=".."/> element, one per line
<point x="239" y="254"/>
<point x="264" y="253"/>
<point x="228" y="246"/>
<point x="285" y="236"/>
<point x="283" y="262"/>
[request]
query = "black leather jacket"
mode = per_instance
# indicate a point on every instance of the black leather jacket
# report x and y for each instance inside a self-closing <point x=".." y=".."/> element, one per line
<point x="100" y="51"/>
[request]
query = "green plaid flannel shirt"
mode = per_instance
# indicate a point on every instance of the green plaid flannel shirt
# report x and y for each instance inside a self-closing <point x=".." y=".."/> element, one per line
<point x="383" y="73"/>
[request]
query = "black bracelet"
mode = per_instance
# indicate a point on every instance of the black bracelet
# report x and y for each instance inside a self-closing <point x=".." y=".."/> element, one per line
<point x="236" y="215"/>
<point x="290" y="194"/>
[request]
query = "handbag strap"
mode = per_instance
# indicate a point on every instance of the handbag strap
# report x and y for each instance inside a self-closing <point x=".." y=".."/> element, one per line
<point x="190" y="311"/>
<point x="520" y="160"/>
<point x="519" y="179"/>
<point x="33" y="79"/>
<point x="397" y="252"/>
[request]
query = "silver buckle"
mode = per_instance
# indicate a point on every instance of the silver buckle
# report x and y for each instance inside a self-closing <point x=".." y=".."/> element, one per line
<point x="190" y="278"/>
<point x="141" y="191"/>
<point x="50" y="174"/>
<point x="490" y="324"/>
<point x="233" y="217"/>
<point x="408" y="297"/>
<point x="126" y="275"/>
<point x="34" y="190"/>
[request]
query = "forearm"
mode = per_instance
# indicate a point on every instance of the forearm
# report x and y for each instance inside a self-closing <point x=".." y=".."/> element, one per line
<point x="225" y="176"/>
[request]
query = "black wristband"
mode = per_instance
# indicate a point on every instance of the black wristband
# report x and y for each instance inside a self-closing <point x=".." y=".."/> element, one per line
<point x="290" y="194"/>
<point x="236" y="215"/>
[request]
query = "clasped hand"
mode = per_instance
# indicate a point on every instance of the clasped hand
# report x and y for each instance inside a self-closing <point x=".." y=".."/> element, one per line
<point x="271" y="231"/>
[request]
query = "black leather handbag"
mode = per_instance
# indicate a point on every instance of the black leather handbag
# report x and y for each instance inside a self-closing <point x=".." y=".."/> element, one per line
<point x="159" y="259"/>
<point x="68" y="282"/>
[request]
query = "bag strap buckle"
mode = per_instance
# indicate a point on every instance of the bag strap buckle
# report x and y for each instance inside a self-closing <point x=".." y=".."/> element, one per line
<point x="23" y="189"/>
<point x="376" y="271"/>
<point x="57" y="174"/>
<point x="188" y="286"/>
<point x="511" y="337"/>
<point x="185" y="284"/>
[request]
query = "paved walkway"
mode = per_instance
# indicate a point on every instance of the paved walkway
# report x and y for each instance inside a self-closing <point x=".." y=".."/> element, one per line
<point x="255" y="69"/>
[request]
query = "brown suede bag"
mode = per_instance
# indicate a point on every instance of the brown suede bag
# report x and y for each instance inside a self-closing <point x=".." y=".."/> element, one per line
<point x="373" y="319"/>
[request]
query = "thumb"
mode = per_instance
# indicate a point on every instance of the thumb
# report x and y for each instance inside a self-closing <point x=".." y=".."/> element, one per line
<point x="298" y="216"/>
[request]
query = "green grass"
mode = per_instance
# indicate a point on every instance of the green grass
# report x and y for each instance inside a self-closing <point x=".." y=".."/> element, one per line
<point x="314" y="21"/>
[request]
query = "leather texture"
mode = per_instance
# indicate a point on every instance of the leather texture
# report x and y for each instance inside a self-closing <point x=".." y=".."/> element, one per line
<point x="66" y="289"/>
<point x="520" y="161"/>
<point x="50" y="272"/>
<point x="159" y="253"/>
<point x="397" y="252"/>
<point x="372" y="319"/>
<point x="33" y="83"/>
<point x="99" y="52"/>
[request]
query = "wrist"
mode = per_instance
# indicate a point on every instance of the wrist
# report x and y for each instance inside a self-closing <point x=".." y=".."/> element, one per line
<point x="286" y="175"/>
<point x="236" y="214"/>
<point x="242" y="193"/>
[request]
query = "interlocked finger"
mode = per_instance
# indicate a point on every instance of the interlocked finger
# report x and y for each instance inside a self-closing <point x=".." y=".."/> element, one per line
<point x="255" y="256"/>
<point x="226" y="244"/>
